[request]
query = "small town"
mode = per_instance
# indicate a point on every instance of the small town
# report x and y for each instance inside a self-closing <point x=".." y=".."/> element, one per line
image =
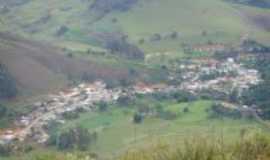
<point x="134" y="80"/>
<point x="84" y="96"/>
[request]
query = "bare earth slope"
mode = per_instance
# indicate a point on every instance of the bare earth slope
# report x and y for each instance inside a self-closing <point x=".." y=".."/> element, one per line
<point x="40" y="67"/>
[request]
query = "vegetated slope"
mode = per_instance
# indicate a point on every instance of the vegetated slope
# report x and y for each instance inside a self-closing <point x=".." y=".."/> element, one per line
<point x="256" y="3"/>
<point x="247" y="147"/>
<point x="138" y="19"/>
<point x="100" y="8"/>
<point x="11" y="3"/>
<point x="40" y="67"/>
<point x="260" y="17"/>
<point x="195" y="22"/>
<point x="186" y="16"/>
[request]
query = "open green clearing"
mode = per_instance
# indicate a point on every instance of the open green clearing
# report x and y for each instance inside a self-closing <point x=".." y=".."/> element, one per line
<point x="117" y="132"/>
<point x="222" y="21"/>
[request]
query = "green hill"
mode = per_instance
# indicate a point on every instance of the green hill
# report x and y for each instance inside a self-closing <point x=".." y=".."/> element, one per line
<point x="84" y="21"/>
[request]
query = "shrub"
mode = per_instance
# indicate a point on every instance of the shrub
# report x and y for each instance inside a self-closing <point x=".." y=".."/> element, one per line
<point x="167" y="115"/>
<point x="119" y="46"/>
<point x="78" y="137"/>
<point x="186" y="110"/>
<point x="174" y="35"/>
<point x="218" y="110"/>
<point x="138" y="118"/>
<point x="71" y="115"/>
<point x="141" y="41"/>
<point x="102" y="106"/>
<point x="155" y="37"/>
<point x="5" y="150"/>
<point x="3" y="110"/>
<point x="256" y="147"/>
<point x="125" y="101"/>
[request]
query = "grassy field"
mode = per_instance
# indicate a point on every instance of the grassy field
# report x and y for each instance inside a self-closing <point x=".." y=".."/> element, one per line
<point x="117" y="132"/>
<point x="222" y="21"/>
<point x="196" y="22"/>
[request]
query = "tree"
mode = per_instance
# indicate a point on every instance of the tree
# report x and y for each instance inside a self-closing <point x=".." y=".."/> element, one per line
<point x="78" y="137"/>
<point x="124" y="100"/>
<point x="5" y="150"/>
<point x="138" y="118"/>
<point x="102" y="106"/>
<point x="234" y="96"/>
<point x="118" y="45"/>
<point x="70" y="115"/>
<point x="204" y="33"/>
<point x="125" y="82"/>
<point x="186" y="110"/>
<point x="3" y="110"/>
<point x="114" y="20"/>
<point x="259" y="95"/>
<point x="141" y="41"/>
<point x="159" y="108"/>
<point x="66" y="140"/>
<point x="218" y="111"/>
<point x="155" y="37"/>
<point x="174" y="35"/>
<point x="84" y="138"/>
<point x="61" y="31"/>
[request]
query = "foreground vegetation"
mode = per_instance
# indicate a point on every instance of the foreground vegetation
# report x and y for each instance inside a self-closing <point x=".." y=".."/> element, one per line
<point x="248" y="146"/>
<point x="255" y="147"/>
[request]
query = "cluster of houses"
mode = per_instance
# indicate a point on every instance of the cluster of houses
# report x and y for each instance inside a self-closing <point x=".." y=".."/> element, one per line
<point x="84" y="96"/>
<point x="210" y="48"/>
<point x="231" y="75"/>
<point x="81" y="97"/>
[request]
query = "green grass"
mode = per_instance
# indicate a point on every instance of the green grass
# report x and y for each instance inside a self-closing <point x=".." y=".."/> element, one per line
<point x="187" y="17"/>
<point x="117" y="132"/>
<point x="222" y="21"/>
<point x="249" y="146"/>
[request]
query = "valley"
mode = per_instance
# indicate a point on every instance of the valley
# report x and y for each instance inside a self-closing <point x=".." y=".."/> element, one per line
<point x="134" y="79"/>
<point x="85" y="100"/>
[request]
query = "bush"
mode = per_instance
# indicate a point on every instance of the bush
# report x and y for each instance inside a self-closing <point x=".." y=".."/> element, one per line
<point x="256" y="147"/>
<point x="71" y="115"/>
<point x="138" y="118"/>
<point x="119" y="46"/>
<point x="5" y="150"/>
<point x="141" y="41"/>
<point x="78" y="137"/>
<point x="103" y="106"/>
<point x="125" y="101"/>
<point x="167" y="115"/>
<point x="3" y="110"/>
<point x="186" y="110"/>
<point x="174" y="35"/>
<point x="61" y="31"/>
<point x="155" y="37"/>
<point x="218" y="111"/>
